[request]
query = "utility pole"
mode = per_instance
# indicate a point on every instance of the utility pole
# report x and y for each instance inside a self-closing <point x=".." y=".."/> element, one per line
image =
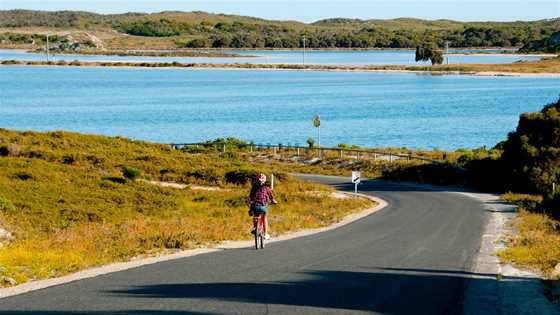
<point x="447" y="52"/>
<point x="303" y="49"/>
<point x="47" y="47"/>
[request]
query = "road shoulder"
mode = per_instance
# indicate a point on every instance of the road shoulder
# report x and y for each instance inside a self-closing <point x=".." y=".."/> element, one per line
<point x="498" y="288"/>
<point x="508" y="290"/>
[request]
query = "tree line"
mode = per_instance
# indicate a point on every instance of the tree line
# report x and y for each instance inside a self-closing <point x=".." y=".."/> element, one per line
<point x="204" y="30"/>
<point x="243" y="35"/>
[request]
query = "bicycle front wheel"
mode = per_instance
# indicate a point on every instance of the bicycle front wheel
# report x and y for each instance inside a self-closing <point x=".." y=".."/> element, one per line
<point x="257" y="236"/>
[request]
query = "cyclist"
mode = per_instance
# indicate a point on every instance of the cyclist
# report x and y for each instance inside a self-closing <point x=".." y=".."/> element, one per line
<point x="259" y="199"/>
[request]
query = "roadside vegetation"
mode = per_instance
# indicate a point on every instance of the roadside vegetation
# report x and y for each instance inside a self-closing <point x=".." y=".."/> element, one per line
<point x="167" y="30"/>
<point x="75" y="201"/>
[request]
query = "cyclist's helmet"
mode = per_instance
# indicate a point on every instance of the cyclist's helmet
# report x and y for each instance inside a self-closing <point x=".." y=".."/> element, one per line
<point x="261" y="178"/>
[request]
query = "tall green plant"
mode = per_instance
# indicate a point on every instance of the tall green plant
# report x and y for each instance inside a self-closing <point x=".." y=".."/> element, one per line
<point x="532" y="153"/>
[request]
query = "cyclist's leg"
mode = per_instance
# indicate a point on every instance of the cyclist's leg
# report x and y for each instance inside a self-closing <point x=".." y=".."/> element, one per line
<point x="265" y="218"/>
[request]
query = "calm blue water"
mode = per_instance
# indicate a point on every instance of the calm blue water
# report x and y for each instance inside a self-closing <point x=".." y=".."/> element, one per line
<point x="375" y="57"/>
<point x="179" y="105"/>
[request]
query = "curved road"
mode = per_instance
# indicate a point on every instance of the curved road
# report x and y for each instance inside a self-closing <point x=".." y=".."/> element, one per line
<point x="412" y="257"/>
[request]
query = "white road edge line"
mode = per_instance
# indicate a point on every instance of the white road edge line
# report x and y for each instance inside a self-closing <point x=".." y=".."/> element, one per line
<point x="121" y="266"/>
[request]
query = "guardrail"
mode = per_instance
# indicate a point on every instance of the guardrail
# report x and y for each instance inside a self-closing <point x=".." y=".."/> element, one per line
<point x="298" y="150"/>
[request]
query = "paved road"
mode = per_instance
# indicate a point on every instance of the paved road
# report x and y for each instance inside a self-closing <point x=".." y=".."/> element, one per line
<point x="413" y="257"/>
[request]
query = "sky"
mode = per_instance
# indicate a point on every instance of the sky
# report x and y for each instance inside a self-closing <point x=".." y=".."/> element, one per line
<point x="313" y="10"/>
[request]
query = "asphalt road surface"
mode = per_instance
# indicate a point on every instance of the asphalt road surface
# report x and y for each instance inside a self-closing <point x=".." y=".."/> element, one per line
<point x="412" y="257"/>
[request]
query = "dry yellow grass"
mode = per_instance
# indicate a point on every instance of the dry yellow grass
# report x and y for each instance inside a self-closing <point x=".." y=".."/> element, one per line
<point x="537" y="244"/>
<point x="547" y="65"/>
<point x="64" y="197"/>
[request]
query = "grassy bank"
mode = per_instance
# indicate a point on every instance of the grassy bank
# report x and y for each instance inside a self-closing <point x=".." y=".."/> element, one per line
<point x="537" y="243"/>
<point x="74" y="201"/>
<point x="546" y="66"/>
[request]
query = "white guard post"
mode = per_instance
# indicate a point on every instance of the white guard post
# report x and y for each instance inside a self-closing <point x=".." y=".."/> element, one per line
<point x="356" y="177"/>
<point x="272" y="182"/>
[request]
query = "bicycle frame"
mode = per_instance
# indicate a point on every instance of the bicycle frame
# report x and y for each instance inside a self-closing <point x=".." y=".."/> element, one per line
<point x="258" y="224"/>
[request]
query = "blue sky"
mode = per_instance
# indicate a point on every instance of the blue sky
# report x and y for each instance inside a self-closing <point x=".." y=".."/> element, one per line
<point x="312" y="10"/>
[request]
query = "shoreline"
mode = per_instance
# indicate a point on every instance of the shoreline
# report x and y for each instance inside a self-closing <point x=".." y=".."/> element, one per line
<point x="512" y="49"/>
<point x="148" y="53"/>
<point x="485" y="51"/>
<point x="279" y="67"/>
<point x="543" y="55"/>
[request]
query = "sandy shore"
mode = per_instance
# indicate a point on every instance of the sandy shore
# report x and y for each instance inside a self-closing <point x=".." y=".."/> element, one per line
<point x="277" y="67"/>
<point x="513" y="54"/>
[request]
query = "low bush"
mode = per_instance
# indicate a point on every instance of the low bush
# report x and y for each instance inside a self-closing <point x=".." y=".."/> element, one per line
<point x="130" y="172"/>
<point x="23" y="176"/>
<point x="202" y="175"/>
<point x="6" y="205"/>
<point x="11" y="150"/>
<point x="240" y="176"/>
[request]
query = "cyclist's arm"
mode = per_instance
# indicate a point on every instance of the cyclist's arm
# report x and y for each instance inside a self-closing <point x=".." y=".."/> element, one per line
<point x="271" y="197"/>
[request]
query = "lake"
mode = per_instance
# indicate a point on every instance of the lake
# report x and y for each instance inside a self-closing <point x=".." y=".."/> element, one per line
<point x="189" y="105"/>
<point x="319" y="57"/>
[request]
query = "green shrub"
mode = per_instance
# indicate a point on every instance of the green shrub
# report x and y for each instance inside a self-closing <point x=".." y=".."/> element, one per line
<point x="240" y="176"/>
<point x="532" y="153"/>
<point x="130" y="172"/>
<point x="118" y="180"/>
<point x="69" y="159"/>
<point x="206" y="175"/>
<point x="6" y="205"/>
<point x="200" y="198"/>
<point x="23" y="176"/>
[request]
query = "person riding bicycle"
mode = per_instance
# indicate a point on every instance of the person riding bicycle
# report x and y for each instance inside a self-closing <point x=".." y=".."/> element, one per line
<point x="259" y="199"/>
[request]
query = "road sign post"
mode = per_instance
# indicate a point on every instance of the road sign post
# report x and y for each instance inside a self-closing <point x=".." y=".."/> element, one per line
<point x="356" y="178"/>
<point x="317" y="124"/>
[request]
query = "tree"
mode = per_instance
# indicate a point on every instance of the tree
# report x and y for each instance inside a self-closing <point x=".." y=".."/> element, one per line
<point x="198" y="43"/>
<point x="532" y="154"/>
<point x="310" y="142"/>
<point x="430" y="52"/>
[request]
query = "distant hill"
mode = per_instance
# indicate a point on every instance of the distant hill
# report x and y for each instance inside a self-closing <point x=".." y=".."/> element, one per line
<point x="205" y="30"/>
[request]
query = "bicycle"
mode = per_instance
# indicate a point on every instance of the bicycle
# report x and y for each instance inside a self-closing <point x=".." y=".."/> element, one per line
<point x="258" y="226"/>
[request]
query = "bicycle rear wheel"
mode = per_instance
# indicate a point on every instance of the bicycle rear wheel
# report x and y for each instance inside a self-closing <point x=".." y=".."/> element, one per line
<point x="257" y="235"/>
<point x="261" y="230"/>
